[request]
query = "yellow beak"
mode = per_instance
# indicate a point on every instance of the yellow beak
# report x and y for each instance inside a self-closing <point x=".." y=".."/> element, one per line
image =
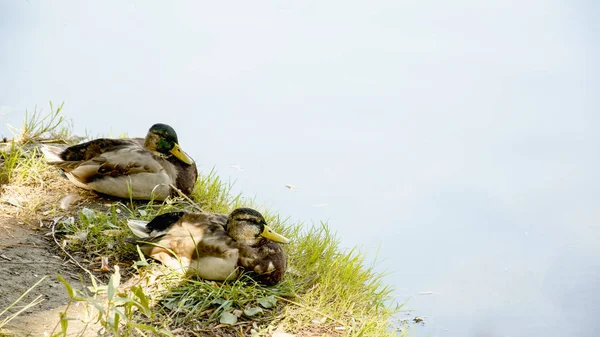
<point x="178" y="152"/>
<point x="271" y="235"/>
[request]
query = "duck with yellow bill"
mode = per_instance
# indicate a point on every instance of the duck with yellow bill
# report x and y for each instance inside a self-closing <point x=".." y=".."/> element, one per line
<point x="143" y="169"/>
<point x="214" y="246"/>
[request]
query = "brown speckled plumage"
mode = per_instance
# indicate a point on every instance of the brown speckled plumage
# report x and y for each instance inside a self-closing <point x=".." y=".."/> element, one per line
<point x="267" y="263"/>
<point x="88" y="150"/>
<point x="186" y="175"/>
<point x="206" y="243"/>
<point x="111" y="166"/>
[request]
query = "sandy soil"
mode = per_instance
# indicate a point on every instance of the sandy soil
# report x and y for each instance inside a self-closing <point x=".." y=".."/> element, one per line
<point x="27" y="254"/>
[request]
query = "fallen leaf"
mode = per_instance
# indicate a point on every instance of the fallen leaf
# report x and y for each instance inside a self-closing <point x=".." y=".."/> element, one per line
<point x="227" y="318"/>
<point x="67" y="201"/>
<point x="252" y="311"/>
<point x="79" y="236"/>
<point x="267" y="302"/>
<point x="89" y="213"/>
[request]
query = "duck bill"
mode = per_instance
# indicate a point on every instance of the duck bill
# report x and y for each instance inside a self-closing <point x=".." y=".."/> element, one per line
<point x="178" y="152"/>
<point x="271" y="235"/>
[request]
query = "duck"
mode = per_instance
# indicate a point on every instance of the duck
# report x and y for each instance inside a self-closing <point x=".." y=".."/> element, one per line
<point x="214" y="246"/>
<point x="137" y="168"/>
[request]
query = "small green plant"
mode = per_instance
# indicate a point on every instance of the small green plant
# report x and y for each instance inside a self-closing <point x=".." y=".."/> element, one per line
<point x="115" y="311"/>
<point x="225" y="303"/>
<point x="98" y="234"/>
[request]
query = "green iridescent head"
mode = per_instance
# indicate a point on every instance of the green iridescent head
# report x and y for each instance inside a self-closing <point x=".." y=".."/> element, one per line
<point x="163" y="138"/>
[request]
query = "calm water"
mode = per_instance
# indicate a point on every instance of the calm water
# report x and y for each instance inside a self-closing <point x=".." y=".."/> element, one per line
<point x="457" y="143"/>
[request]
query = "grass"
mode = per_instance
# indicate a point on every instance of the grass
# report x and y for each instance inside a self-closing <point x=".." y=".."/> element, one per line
<point x="10" y="161"/>
<point x="51" y="126"/>
<point x="6" y="316"/>
<point x="27" y="182"/>
<point x="326" y="291"/>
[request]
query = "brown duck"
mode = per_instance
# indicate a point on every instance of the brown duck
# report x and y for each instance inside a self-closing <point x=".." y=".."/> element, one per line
<point x="143" y="169"/>
<point x="214" y="246"/>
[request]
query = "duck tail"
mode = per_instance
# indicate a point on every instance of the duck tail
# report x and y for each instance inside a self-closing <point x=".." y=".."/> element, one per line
<point x="52" y="153"/>
<point x="138" y="228"/>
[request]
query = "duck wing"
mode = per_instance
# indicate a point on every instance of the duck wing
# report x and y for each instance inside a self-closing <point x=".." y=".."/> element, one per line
<point x="186" y="233"/>
<point x="88" y="150"/>
<point x="161" y="223"/>
<point x="155" y="228"/>
<point x="119" y="167"/>
<point x="104" y="156"/>
<point x="195" y="241"/>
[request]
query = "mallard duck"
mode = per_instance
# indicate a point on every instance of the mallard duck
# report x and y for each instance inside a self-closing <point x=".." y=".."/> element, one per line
<point x="213" y="246"/>
<point x="144" y="169"/>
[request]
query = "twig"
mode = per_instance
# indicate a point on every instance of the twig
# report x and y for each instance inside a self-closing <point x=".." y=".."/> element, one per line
<point x="186" y="198"/>
<point x="54" y="141"/>
<point x="309" y="308"/>
<point x="69" y="255"/>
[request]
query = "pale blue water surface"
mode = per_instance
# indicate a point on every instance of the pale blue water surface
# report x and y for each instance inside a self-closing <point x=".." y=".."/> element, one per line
<point x="457" y="141"/>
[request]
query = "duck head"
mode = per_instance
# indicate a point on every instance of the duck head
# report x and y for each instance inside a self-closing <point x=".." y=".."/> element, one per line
<point x="248" y="226"/>
<point x="163" y="139"/>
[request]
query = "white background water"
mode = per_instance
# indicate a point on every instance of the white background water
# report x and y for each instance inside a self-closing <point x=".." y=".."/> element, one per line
<point x="456" y="141"/>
